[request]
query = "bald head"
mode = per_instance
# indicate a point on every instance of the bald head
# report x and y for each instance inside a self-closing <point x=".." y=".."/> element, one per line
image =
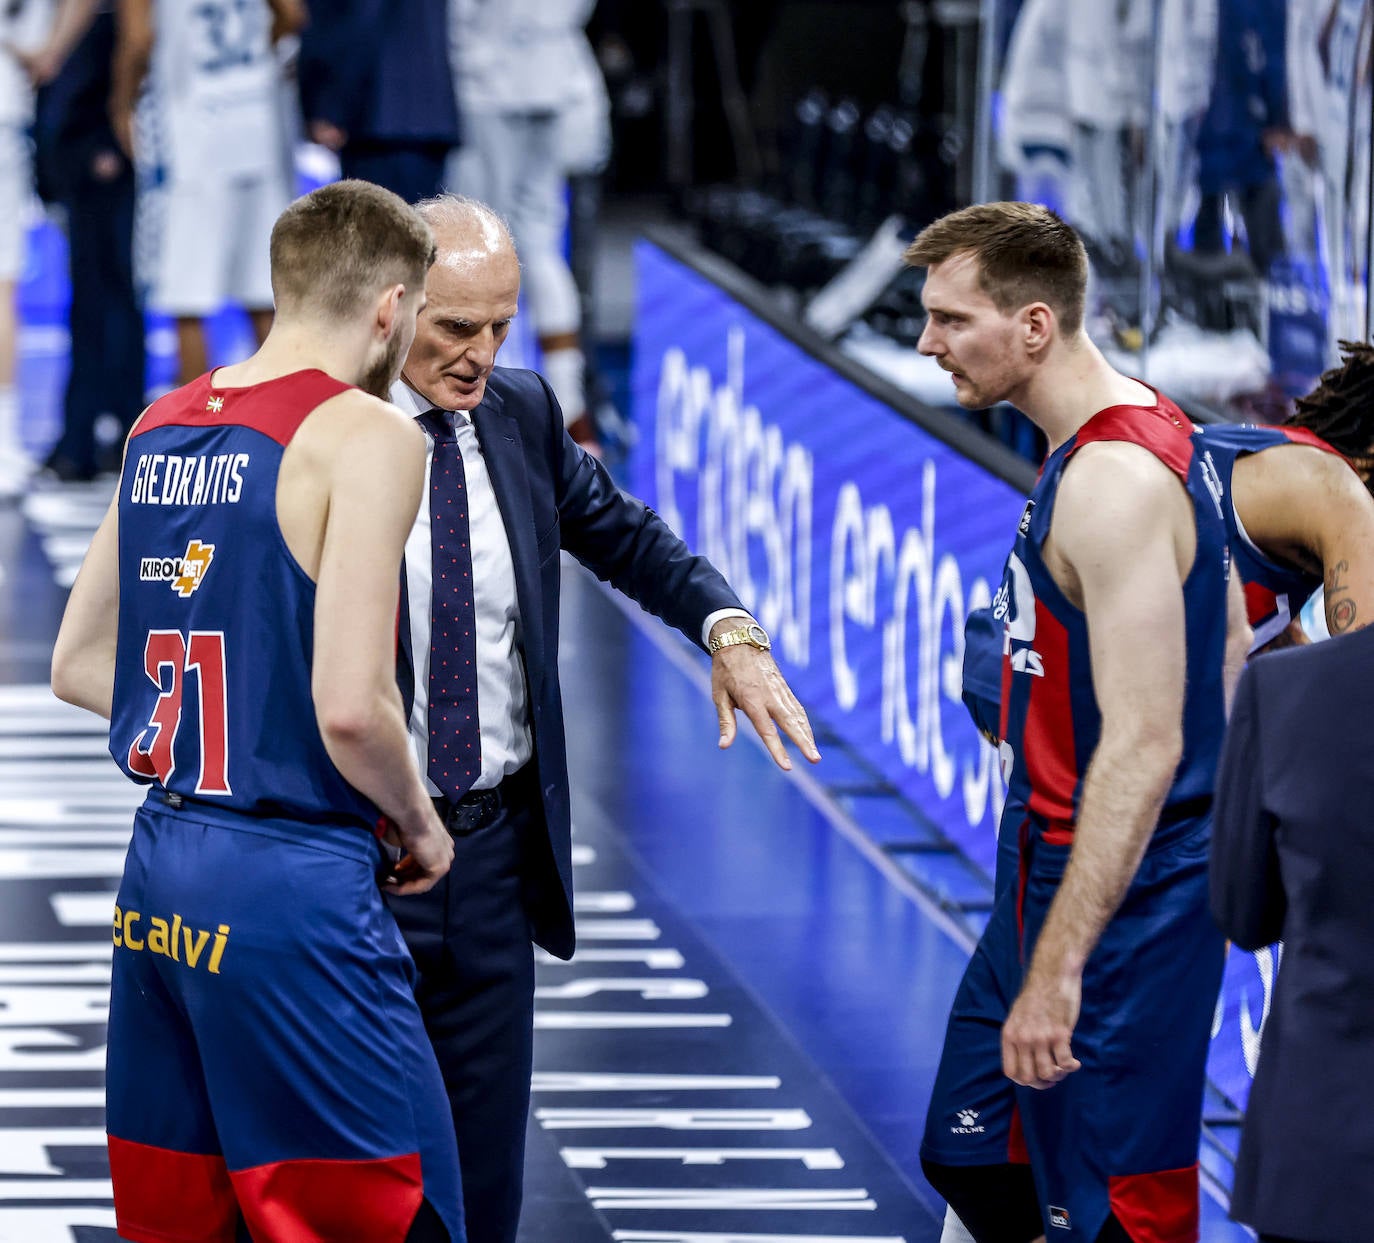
<point x="473" y="291"/>
<point x="465" y="230"/>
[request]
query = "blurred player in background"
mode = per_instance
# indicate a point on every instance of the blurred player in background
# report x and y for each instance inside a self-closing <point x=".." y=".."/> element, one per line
<point x="535" y="109"/>
<point x="219" y="170"/>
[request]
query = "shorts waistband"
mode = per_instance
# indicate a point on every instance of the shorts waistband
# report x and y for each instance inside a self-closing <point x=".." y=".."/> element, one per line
<point x="478" y="808"/>
<point x="354" y="841"/>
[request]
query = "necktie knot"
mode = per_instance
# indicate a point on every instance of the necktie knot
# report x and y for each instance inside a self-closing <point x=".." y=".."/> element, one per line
<point x="438" y="423"/>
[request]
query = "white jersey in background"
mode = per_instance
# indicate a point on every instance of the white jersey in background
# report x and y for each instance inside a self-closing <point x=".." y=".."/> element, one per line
<point x="535" y="110"/>
<point x="218" y="168"/>
<point x="515" y="55"/>
<point x="215" y="74"/>
<point x="24" y="24"/>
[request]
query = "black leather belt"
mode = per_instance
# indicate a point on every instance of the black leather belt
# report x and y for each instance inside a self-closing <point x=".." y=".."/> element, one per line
<point x="478" y="808"/>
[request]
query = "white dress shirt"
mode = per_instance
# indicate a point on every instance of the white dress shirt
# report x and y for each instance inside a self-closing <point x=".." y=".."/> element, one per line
<point x="502" y="697"/>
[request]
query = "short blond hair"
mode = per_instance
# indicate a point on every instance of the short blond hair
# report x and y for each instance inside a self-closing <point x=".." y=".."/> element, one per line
<point x="336" y="248"/>
<point x="1025" y="254"/>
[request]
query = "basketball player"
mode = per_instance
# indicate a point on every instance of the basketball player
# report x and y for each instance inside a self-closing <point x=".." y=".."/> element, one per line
<point x="1293" y="508"/>
<point x="222" y="157"/>
<point x="1298" y="512"/>
<point x="1114" y="607"/>
<point x="235" y="619"/>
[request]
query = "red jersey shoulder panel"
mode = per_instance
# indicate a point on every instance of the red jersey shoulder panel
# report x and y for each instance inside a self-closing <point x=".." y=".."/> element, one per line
<point x="1163" y="429"/>
<point x="276" y="408"/>
<point x="1302" y="436"/>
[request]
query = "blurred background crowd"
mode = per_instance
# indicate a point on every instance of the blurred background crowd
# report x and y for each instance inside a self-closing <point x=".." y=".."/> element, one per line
<point x="1215" y="155"/>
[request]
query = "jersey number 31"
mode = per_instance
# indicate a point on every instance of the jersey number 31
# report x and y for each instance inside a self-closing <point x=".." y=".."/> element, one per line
<point x="168" y="657"/>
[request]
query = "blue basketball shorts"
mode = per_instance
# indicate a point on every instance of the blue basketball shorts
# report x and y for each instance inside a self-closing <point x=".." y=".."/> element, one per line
<point x="266" y="1054"/>
<point x="1119" y="1136"/>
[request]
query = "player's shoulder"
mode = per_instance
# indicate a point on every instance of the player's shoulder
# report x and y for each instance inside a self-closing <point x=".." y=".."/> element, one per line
<point x="1158" y="429"/>
<point x="1113" y="494"/>
<point x="1297" y="466"/>
<point x="1127" y="464"/>
<point x="352" y="409"/>
<point x="354" y="425"/>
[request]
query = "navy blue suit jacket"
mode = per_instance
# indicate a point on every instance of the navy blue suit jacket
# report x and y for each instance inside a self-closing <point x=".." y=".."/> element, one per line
<point x="379" y="70"/>
<point x="553" y="496"/>
<point x="1293" y="859"/>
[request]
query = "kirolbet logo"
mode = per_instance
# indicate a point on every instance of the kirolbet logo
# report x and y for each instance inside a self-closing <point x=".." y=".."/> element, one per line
<point x="185" y="573"/>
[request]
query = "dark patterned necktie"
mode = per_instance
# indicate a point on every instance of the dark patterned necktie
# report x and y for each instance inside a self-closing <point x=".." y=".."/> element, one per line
<point x="455" y="742"/>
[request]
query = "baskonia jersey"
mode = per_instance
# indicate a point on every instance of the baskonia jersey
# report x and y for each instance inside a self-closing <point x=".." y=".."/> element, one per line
<point x="1274" y="593"/>
<point x="1050" y="723"/>
<point x="216" y="618"/>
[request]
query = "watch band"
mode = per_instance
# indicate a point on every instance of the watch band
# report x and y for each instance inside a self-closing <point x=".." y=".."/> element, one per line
<point x="751" y="633"/>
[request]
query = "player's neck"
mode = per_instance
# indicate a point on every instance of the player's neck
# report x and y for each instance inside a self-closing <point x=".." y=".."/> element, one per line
<point x="1072" y="386"/>
<point x="291" y="348"/>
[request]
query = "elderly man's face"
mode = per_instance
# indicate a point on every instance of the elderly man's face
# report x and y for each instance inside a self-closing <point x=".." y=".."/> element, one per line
<point x="473" y="289"/>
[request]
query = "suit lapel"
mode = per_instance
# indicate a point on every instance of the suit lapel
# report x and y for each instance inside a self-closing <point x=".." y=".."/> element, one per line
<point x="505" y="459"/>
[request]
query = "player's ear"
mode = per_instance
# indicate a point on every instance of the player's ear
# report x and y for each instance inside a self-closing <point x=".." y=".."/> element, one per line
<point x="1036" y="327"/>
<point x="388" y="311"/>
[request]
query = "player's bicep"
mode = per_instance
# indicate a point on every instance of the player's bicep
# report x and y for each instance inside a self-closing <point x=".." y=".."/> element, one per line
<point x="1116" y="526"/>
<point x="373" y="497"/>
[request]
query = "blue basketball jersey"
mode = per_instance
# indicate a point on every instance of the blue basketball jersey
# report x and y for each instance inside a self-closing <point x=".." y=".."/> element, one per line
<point x="1274" y="593"/>
<point x="216" y="618"/>
<point x="1050" y="723"/>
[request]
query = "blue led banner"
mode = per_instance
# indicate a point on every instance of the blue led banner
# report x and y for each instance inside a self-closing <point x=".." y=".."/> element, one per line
<point x="857" y="539"/>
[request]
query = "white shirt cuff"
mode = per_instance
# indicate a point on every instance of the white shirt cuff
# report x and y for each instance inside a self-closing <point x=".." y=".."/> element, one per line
<point x="718" y="615"/>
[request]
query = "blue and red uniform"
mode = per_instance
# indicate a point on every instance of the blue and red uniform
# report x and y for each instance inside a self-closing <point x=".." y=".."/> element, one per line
<point x="266" y="1055"/>
<point x="1274" y="593"/>
<point x="1120" y="1136"/>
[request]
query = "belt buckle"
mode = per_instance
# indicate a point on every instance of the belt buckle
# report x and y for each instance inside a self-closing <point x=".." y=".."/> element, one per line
<point x="468" y="816"/>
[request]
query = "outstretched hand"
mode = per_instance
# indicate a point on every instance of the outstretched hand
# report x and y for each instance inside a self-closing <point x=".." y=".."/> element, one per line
<point x="745" y="678"/>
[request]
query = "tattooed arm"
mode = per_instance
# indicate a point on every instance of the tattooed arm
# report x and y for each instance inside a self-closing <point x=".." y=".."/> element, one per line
<point x="1308" y="508"/>
<point x="1342" y="611"/>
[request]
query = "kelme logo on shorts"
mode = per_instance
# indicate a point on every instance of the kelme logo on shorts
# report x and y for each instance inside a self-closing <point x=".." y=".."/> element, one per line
<point x="968" y="1123"/>
<point x="1059" y="1217"/>
<point x="185" y="573"/>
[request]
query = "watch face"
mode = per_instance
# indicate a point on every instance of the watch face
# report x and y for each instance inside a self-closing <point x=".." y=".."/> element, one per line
<point x="758" y="636"/>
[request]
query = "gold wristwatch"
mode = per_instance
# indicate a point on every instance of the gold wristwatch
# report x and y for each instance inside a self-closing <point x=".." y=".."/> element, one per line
<point x="753" y="634"/>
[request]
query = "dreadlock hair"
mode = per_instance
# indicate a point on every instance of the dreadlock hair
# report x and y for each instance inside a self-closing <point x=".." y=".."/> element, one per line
<point x="1341" y="408"/>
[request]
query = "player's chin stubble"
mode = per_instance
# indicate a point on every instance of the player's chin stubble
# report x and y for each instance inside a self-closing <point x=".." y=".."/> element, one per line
<point x="379" y="378"/>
